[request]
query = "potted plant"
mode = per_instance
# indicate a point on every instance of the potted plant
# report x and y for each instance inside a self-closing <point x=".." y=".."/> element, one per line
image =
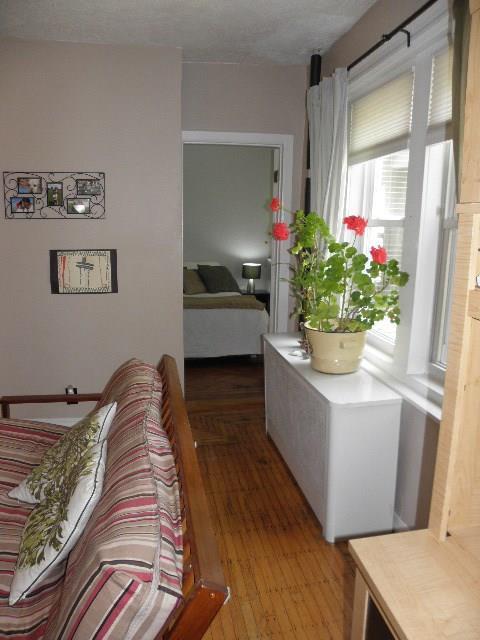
<point x="339" y="292"/>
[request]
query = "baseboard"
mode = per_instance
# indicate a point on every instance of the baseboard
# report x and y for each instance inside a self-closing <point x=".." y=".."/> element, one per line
<point x="399" y="524"/>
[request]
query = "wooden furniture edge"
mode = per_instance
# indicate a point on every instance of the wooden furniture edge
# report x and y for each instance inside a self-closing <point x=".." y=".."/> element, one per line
<point x="360" y="607"/>
<point x="204" y="584"/>
<point x="368" y="589"/>
<point x="6" y="401"/>
<point x="452" y="414"/>
<point x="474" y="6"/>
<point x="463" y="208"/>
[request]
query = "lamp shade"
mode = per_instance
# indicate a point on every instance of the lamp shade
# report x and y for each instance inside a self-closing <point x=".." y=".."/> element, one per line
<point x="251" y="270"/>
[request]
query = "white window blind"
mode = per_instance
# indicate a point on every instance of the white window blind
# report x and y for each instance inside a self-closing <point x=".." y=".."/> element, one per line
<point x="440" y="108"/>
<point x="380" y="122"/>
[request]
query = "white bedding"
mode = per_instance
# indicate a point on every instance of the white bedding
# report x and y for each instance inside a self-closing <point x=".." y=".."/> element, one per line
<point x="211" y="333"/>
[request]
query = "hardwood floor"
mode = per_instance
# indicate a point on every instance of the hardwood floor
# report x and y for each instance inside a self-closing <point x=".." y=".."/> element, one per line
<point x="286" y="581"/>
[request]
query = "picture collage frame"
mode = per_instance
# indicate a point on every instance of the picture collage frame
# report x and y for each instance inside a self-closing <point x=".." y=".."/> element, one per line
<point x="30" y="195"/>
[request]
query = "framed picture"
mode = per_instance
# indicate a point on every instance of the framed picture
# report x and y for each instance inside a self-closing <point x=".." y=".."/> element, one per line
<point x="49" y="195"/>
<point x="90" y="187"/>
<point x="22" y="204"/>
<point x="29" y="185"/>
<point x="78" y="206"/>
<point x="54" y="194"/>
<point x="83" y="271"/>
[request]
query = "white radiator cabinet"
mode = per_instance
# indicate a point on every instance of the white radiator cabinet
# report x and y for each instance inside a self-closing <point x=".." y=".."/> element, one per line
<point x="339" y="436"/>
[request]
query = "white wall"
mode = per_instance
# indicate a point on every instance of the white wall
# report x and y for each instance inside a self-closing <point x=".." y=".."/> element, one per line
<point x="225" y="192"/>
<point x="416" y="460"/>
<point x="249" y="99"/>
<point x="382" y="17"/>
<point x="75" y="107"/>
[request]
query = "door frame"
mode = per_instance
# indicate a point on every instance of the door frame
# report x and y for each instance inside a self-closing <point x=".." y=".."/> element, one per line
<point x="280" y="272"/>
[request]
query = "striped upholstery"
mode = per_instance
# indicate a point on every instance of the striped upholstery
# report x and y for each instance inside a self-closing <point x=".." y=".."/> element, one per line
<point x="123" y="578"/>
<point x="22" y="444"/>
<point x="113" y="582"/>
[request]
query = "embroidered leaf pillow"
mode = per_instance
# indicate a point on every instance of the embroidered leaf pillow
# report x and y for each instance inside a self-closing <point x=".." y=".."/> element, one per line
<point x="58" y="460"/>
<point x="54" y="526"/>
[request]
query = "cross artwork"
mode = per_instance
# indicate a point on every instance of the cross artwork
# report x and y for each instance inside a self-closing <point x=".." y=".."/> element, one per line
<point x="86" y="267"/>
<point x="83" y="271"/>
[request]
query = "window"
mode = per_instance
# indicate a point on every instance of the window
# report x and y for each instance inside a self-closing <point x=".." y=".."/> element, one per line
<point x="377" y="190"/>
<point x="380" y="121"/>
<point x="401" y="177"/>
<point x="446" y="252"/>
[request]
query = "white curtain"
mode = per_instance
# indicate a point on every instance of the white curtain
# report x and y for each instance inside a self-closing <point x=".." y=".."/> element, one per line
<point x="327" y="117"/>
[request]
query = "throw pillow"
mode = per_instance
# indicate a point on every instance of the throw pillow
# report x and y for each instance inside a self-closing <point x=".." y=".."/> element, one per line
<point x="90" y="430"/>
<point x="54" y="525"/>
<point x="192" y="283"/>
<point x="217" y="279"/>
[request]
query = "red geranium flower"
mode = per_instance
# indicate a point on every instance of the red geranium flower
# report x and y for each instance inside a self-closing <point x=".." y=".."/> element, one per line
<point x="275" y="205"/>
<point x="379" y="254"/>
<point x="280" y="231"/>
<point x="356" y="223"/>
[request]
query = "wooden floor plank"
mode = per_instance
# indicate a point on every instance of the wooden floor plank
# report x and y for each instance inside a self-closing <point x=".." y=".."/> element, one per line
<point x="286" y="581"/>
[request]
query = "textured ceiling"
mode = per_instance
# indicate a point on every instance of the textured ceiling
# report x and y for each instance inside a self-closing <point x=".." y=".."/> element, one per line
<point x="249" y="31"/>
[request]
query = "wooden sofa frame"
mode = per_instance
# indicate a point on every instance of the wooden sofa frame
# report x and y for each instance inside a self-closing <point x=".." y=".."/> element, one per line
<point x="204" y="590"/>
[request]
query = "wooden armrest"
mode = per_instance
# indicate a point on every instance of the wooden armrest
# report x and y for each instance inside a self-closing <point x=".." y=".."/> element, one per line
<point x="6" y="401"/>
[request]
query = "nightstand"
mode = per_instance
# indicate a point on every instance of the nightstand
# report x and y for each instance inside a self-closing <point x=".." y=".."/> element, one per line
<point x="262" y="296"/>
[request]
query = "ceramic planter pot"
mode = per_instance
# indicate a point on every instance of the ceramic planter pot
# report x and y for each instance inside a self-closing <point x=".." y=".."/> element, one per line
<point x="335" y="352"/>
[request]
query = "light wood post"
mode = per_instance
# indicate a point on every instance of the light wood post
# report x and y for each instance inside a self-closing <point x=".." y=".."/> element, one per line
<point x="360" y="608"/>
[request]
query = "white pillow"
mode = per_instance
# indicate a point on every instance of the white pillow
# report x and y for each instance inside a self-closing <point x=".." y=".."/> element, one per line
<point x="91" y="429"/>
<point x="37" y="557"/>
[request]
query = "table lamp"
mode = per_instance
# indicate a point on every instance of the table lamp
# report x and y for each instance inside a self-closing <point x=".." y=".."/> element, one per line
<point x="251" y="271"/>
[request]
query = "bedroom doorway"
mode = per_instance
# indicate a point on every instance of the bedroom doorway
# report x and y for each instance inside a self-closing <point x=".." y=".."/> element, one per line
<point x="274" y="256"/>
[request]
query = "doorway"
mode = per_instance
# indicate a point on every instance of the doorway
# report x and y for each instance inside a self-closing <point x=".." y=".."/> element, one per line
<point x="277" y="265"/>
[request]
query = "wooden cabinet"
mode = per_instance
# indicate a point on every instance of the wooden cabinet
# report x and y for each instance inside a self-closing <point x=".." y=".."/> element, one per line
<point x="426" y="584"/>
<point x="338" y="436"/>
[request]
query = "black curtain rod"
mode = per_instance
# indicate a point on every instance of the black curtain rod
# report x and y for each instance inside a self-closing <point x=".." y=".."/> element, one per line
<point x="388" y="36"/>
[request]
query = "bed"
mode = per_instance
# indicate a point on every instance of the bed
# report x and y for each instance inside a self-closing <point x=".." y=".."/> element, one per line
<point x="222" y="323"/>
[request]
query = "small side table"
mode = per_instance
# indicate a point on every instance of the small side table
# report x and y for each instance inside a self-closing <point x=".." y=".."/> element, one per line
<point x="262" y="296"/>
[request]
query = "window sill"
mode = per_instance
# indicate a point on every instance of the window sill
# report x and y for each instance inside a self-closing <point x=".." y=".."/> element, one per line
<point x="425" y="393"/>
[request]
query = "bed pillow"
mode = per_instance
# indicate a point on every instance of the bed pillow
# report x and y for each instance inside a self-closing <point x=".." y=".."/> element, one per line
<point x="54" y="526"/>
<point x="90" y="430"/>
<point x="192" y="283"/>
<point x="217" y="279"/>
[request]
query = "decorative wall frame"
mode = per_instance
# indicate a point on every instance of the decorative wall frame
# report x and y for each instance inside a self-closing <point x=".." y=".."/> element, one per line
<point x="83" y="271"/>
<point x="30" y="195"/>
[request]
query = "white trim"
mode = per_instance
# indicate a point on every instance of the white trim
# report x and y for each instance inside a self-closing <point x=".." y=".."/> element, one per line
<point x="279" y="288"/>
<point x="419" y="391"/>
<point x="415" y="225"/>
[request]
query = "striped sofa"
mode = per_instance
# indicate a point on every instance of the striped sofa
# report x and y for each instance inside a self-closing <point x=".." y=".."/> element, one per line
<point x="124" y="577"/>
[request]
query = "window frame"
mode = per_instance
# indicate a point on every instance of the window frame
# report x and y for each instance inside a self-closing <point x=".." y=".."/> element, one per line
<point x="368" y="172"/>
